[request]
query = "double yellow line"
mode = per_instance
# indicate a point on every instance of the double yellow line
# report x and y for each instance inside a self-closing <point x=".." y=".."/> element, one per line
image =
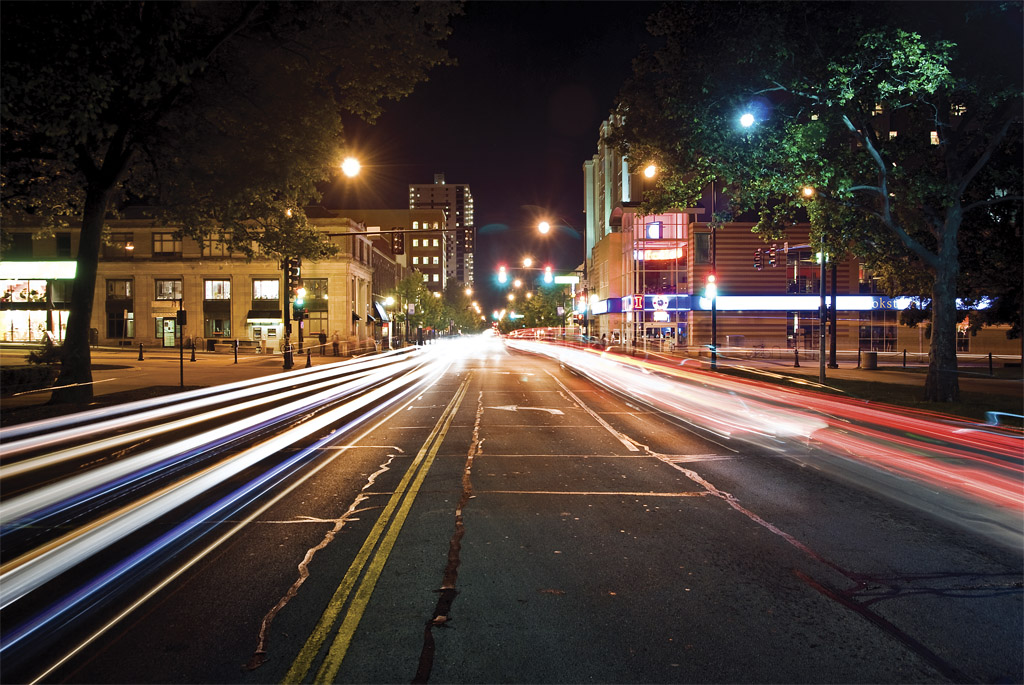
<point x="371" y="558"/>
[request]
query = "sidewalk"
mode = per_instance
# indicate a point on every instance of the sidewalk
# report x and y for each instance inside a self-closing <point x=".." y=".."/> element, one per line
<point x="974" y="376"/>
<point x="119" y="375"/>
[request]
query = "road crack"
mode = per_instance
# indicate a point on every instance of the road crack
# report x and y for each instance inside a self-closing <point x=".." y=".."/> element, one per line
<point x="448" y="591"/>
<point x="259" y="656"/>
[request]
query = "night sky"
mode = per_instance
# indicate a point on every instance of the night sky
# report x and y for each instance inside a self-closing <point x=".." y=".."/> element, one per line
<point x="516" y="119"/>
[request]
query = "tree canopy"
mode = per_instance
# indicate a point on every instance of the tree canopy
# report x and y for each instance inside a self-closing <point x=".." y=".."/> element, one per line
<point x="906" y="124"/>
<point x="223" y="115"/>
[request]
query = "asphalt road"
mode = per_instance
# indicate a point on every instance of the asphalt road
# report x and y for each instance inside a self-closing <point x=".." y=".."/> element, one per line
<point x="515" y="523"/>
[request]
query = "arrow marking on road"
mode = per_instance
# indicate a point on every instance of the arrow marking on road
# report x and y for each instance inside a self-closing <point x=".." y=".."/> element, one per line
<point x="513" y="407"/>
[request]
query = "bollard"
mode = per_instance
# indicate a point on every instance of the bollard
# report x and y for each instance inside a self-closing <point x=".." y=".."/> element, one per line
<point x="309" y="357"/>
<point x="796" y="357"/>
<point x="193" y="353"/>
<point x="236" y="351"/>
<point x="858" y="357"/>
<point x="141" y="359"/>
<point x="990" y="371"/>
<point x="288" y="363"/>
<point x="904" y="357"/>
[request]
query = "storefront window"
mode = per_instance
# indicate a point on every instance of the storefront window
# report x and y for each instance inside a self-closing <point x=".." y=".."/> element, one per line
<point x="877" y="330"/>
<point x="217" y="290"/>
<point x="266" y="289"/>
<point x="168" y="289"/>
<point x="119" y="289"/>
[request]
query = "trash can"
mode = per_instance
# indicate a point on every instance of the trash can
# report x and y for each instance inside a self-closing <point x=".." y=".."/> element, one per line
<point x="869" y="360"/>
<point x="94" y="337"/>
<point x="211" y="345"/>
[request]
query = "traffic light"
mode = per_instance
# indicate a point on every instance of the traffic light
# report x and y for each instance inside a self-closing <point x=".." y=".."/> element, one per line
<point x="398" y="243"/>
<point x="710" y="287"/>
<point x="757" y="259"/>
<point x="502" y="275"/>
<point x="292" y="273"/>
<point x="548" y="276"/>
<point x="771" y="255"/>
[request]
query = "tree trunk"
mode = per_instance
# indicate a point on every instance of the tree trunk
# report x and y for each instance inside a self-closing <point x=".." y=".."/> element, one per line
<point x="942" y="383"/>
<point x="76" y="363"/>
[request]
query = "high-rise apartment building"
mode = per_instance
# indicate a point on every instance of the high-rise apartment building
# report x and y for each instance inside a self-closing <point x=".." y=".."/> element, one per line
<point x="457" y="203"/>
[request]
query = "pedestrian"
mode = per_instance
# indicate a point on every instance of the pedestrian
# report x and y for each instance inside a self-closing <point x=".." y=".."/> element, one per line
<point x="335" y="341"/>
<point x="323" y="342"/>
<point x="604" y="341"/>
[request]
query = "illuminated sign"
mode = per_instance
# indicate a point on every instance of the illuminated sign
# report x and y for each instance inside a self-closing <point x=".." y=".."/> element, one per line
<point x="21" y="271"/>
<point x="795" y="303"/>
<point x="654" y="230"/>
<point x="567" y="279"/>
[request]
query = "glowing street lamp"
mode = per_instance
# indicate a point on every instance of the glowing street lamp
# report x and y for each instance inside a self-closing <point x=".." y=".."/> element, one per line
<point x="650" y="171"/>
<point x="350" y="167"/>
<point x="544" y="227"/>
<point x="527" y="262"/>
<point x="747" y="120"/>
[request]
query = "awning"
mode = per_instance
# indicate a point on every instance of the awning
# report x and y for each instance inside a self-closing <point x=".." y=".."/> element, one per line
<point x="356" y="317"/>
<point x="263" y="315"/>
<point x="370" y="319"/>
<point x="382" y="313"/>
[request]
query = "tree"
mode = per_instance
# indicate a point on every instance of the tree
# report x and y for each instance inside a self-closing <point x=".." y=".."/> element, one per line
<point x="541" y="310"/>
<point x="904" y="122"/>
<point x="225" y="114"/>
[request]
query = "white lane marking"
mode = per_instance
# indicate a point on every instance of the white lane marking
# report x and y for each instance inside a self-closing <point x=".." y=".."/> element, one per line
<point x="625" y="440"/>
<point x="683" y="458"/>
<point x="516" y="407"/>
<point x="694" y="493"/>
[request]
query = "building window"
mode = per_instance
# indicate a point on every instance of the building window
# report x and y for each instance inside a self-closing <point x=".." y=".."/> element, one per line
<point x="415" y="242"/>
<point x="963" y="340"/>
<point x="216" y="247"/>
<point x="168" y="289"/>
<point x="426" y="278"/>
<point x="437" y="260"/>
<point x="437" y="277"/>
<point x="120" y="324"/>
<point x="934" y="137"/>
<point x="415" y="260"/>
<point x="316" y="293"/>
<point x="119" y="246"/>
<point x="266" y="289"/>
<point x="415" y="225"/>
<point x="802" y="330"/>
<point x="217" y="290"/>
<point x="60" y="291"/>
<point x="119" y="289"/>
<point x="877" y="330"/>
<point x="19" y="246"/>
<point x="166" y="244"/>
<point x="63" y="245"/>
<point x="316" y="322"/>
<point x="437" y="242"/>
<point x="701" y="248"/>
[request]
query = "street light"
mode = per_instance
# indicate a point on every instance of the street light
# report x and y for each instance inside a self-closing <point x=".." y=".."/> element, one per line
<point x="747" y="120"/>
<point x="544" y="227"/>
<point x="809" y="192"/>
<point x="650" y="171"/>
<point x="350" y="167"/>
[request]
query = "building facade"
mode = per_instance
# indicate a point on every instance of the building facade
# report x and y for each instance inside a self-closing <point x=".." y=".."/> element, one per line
<point x="147" y="274"/>
<point x="456" y="201"/>
<point x="648" y="280"/>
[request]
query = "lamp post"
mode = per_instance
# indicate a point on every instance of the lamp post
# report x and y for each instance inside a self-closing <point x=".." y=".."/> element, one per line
<point x="809" y="192"/>
<point x="544" y="227"/>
